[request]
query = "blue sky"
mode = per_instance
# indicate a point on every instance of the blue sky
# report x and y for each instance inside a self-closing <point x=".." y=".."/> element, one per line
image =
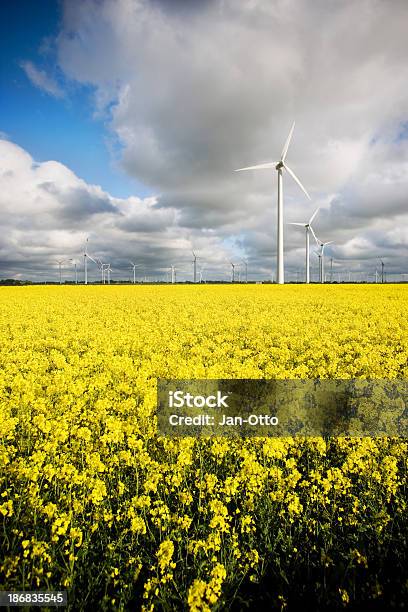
<point x="53" y="128"/>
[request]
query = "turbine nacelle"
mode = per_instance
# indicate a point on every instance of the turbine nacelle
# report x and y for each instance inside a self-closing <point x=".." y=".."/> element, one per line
<point x="280" y="164"/>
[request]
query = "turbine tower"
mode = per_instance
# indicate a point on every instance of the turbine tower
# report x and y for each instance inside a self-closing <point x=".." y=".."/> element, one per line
<point x="195" y="266"/>
<point x="319" y="255"/>
<point x="308" y="228"/>
<point x="279" y="166"/>
<point x="86" y="262"/>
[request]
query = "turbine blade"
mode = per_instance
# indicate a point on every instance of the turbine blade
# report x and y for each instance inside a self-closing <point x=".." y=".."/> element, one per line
<point x="287" y="143"/>
<point x="314" y="214"/>
<point x="258" y="167"/>
<point x="314" y="235"/>
<point x="330" y="242"/>
<point x="295" y="178"/>
<point x="301" y="224"/>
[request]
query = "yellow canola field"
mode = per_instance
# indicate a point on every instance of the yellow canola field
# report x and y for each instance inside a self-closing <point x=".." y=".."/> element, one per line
<point x="94" y="501"/>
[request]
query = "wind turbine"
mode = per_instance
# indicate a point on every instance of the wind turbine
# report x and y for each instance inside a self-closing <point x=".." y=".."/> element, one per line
<point x="244" y="261"/>
<point x="76" y="271"/>
<point x="321" y="256"/>
<point x="86" y="257"/>
<point x="308" y="228"/>
<point x="201" y="274"/>
<point x="101" y="266"/>
<point x="60" y="262"/>
<point x="382" y="269"/>
<point x="195" y="266"/>
<point x="173" y="274"/>
<point x="86" y="262"/>
<point x="232" y="272"/>
<point x="134" y="266"/>
<point x="279" y="166"/>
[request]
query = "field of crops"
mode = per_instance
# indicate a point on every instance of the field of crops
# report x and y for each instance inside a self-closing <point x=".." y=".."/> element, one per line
<point x="92" y="500"/>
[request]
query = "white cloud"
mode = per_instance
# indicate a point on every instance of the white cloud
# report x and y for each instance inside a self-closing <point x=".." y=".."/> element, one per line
<point x="40" y="79"/>
<point x="47" y="212"/>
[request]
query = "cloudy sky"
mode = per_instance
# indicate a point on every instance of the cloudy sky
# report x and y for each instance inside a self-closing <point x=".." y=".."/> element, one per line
<point x="121" y="121"/>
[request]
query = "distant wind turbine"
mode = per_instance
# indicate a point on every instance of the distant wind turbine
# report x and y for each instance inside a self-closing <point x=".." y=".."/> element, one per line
<point x="76" y="271"/>
<point x="103" y="267"/>
<point x="321" y="257"/>
<point x="60" y="263"/>
<point x="279" y="167"/>
<point x="195" y="266"/>
<point x="134" y="266"/>
<point x="308" y="228"/>
<point x="382" y="269"/>
<point x="244" y="261"/>
<point x="232" y="272"/>
<point x="86" y="257"/>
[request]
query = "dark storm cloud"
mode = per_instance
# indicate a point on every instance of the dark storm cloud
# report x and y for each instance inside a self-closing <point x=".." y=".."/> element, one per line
<point x="183" y="7"/>
<point x="78" y="203"/>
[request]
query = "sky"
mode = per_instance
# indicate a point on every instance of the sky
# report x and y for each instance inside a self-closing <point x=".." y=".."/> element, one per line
<point x="122" y="121"/>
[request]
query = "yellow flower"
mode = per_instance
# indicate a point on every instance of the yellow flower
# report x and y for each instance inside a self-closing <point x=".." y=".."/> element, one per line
<point x="165" y="555"/>
<point x="138" y="525"/>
